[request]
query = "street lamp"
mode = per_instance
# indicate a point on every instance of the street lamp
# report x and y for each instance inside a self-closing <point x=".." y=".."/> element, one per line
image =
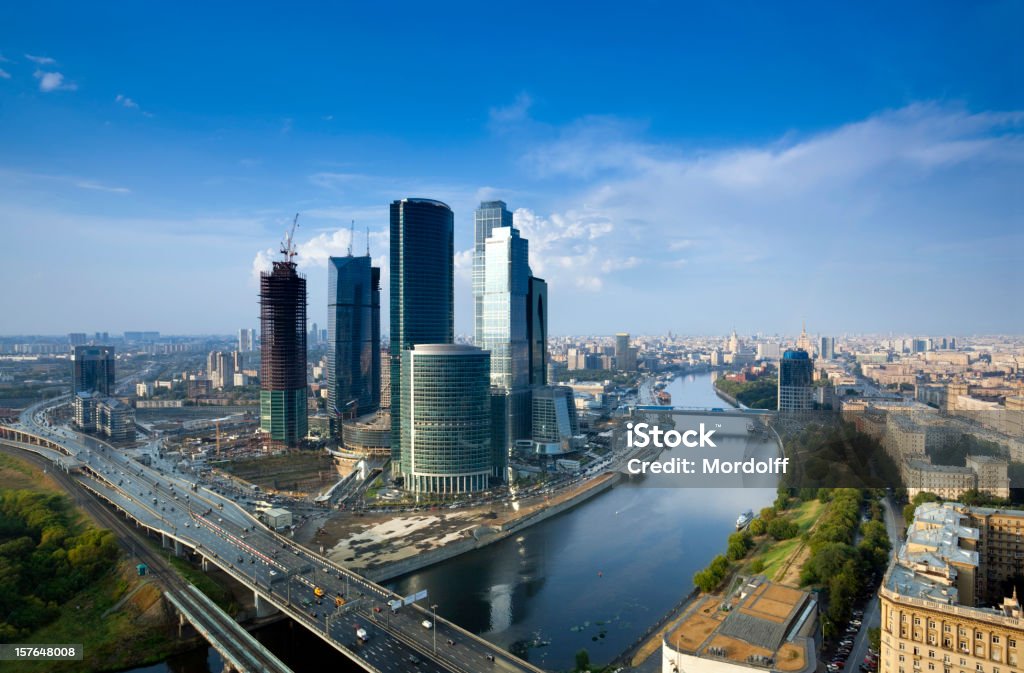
<point x="433" y="613"/>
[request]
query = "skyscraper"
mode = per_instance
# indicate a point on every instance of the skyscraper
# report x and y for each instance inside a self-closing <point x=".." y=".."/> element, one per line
<point x="625" y="357"/>
<point x="93" y="369"/>
<point x="827" y="351"/>
<point x="796" y="373"/>
<point x="505" y="292"/>
<point x="422" y="289"/>
<point x="246" y="335"/>
<point x="537" y="330"/>
<point x="353" y="337"/>
<point x="445" y="419"/>
<point x="283" y="412"/>
<point x="488" y="217"/>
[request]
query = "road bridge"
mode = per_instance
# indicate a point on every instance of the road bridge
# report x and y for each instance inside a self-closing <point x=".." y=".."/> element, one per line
<point x="346" y="610"/>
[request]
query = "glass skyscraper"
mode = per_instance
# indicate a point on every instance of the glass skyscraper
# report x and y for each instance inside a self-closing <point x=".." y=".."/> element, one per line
<point x="445" y="419"/>
<point x="353" y="335"/>
<point x="283" y="414"/>
<point x="422" y="289"/>
<point x="503" y="328"/>
<point x="93" y="369"/>
<point x="488" y="217"/>
<point x="796" y="374"/>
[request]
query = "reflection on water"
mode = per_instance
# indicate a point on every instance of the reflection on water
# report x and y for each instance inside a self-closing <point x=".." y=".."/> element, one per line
<point x="600" y="575"/>
<point x="596" y="577"/>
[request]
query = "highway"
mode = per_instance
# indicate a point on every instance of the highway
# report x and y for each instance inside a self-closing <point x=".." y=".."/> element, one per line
<point x="283" y="574"/>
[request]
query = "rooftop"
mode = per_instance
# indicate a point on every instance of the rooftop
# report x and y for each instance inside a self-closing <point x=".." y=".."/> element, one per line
<point x="758" y="623"/>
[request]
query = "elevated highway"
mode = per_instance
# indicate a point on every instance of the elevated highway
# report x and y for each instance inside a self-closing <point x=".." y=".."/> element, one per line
<point x="347" y="611"/>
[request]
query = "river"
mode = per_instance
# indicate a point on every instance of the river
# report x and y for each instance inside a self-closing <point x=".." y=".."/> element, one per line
<point x="594" y="578"/>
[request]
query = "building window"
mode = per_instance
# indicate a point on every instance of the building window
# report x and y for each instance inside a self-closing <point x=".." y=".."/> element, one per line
<point x="995" y="639"/>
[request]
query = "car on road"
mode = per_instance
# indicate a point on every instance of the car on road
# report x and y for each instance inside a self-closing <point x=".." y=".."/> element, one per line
<point x="427" y="624"/>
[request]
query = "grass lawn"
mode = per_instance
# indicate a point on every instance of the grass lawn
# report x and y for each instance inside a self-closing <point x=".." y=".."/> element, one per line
<point x="775" y="554"/>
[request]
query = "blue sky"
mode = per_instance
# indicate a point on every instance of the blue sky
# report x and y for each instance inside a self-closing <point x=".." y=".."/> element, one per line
<point x="693" y="167"/>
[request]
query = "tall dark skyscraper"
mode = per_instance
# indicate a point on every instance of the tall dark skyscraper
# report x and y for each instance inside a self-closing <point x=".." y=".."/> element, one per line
<point x="422" y="289"/>
<point x="796" y="374"/>
<point x="93" y="369"/>
<point x="353" y="337"/>
<point x="537" y="330"/>
<point x="283" y="412"/>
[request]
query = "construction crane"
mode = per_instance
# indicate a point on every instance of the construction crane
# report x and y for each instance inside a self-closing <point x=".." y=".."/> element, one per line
<point x="288" y="244"/>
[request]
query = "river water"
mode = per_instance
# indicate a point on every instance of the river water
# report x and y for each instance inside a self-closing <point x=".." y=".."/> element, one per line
<point x="594" y="578"/>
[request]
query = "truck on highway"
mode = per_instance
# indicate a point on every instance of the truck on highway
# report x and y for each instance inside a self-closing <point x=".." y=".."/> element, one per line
<point x="362" y="635"/>
<point x="318" y="592"/>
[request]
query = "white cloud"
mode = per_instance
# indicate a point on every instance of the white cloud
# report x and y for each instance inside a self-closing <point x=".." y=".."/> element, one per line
<point x="783" y="212"/>
<point x="512" y="114"/>
<point x="329" y="180"/>
<point x="126" y="102"/>
<point x="89" y="184"/>
<point x="464" y="265"/>
<point x="53" y="81"/>
<point x="41" y="60"/>
<point x="4" y="74"/>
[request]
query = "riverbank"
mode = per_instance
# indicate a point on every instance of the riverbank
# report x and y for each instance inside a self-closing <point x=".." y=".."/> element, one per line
<point x="385" y="547"/>
<point x="779" y="560"/>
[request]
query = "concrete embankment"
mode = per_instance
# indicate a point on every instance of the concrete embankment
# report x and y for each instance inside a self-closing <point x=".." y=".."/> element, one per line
<point x="485" y="535"/>
<point x="726" y="396"/>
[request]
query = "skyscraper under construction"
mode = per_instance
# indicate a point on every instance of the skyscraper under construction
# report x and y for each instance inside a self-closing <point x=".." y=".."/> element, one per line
<point x="283" y="413"/>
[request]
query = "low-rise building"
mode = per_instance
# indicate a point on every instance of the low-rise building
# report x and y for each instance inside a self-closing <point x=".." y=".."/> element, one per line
<point x="762" y="626"/>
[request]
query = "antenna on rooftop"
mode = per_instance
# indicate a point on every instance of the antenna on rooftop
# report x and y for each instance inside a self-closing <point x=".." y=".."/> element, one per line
<point x="367" y="240"/>
<point x="351" y="236"/>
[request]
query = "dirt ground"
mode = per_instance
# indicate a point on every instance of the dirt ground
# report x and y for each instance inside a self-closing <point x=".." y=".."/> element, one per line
<point x="372" y="540"/>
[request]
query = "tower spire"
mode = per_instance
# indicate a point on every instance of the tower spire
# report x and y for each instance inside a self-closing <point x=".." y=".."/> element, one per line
<point x="351" y="236"/>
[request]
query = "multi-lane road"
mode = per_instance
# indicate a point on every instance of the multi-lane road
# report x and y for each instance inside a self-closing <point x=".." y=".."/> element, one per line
<point x="349" y="612"/>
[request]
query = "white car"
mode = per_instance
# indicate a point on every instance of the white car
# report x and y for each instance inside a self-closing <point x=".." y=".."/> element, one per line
<point x="427" y="624"/>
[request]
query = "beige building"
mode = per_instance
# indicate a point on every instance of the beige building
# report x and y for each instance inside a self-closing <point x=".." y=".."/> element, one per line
<point x="946" y="481"/>
<point x="944" y="609"/>
<point x="761" y="626"/>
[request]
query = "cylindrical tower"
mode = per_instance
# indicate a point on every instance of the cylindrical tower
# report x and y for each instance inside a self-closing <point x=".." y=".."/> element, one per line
<point x="446" y="419"/>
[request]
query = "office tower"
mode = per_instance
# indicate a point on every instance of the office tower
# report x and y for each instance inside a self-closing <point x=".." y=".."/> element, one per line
<point x="827" y="351"/>
<point x="93" y="369"/>
<point x="555" y="425"/>
<point x="353" y="338"/>
<point x="488" y="217"/>
<point x="537" y="330"/>
<point x="76" y="339"/>
<point x="283" y="413"/>
<point x="796" y="372"/>
<point x="625" y="357"/>
<point x="503" y="330"/>
<point x="246" y="336"/>
<point x="220" y="369"/>
<point x="385" y="387"/>
<point x="422" y="289"/>
<point x="505" y="305"/>
<point x="445" y="419"/>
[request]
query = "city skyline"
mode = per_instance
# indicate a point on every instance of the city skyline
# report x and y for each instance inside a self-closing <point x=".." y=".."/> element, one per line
<point x="664" y="195"/>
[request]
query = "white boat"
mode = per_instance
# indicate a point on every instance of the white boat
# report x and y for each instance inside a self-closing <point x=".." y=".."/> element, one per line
<point x="743" y="520"/>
